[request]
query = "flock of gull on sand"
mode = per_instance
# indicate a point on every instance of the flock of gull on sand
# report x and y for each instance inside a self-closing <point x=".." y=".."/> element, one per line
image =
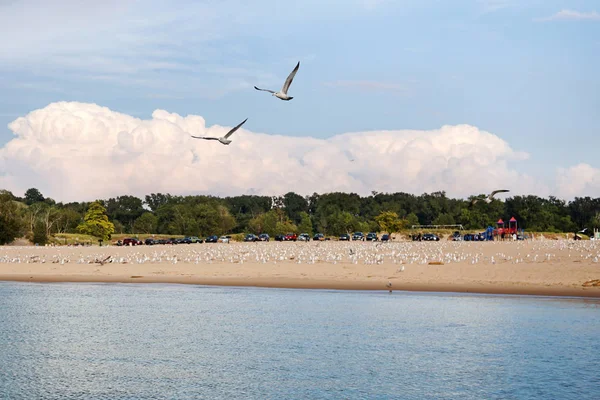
<point x="394" y="253"/>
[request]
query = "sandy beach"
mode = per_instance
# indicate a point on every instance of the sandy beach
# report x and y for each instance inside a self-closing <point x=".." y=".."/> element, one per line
<point x="544" y="267"/>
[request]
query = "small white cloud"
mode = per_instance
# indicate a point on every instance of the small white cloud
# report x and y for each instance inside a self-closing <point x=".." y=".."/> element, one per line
<point x="159" y="96"/>
<point x="572" y="15"/>
<point x="490" y="6"/>
<point x="368" y="85"/>
<point x="372" y="4"/>
<point x="74" y="151"/>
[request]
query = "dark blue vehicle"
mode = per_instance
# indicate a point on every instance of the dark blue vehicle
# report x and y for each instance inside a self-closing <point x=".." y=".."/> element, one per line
<point x="212" y="239"/>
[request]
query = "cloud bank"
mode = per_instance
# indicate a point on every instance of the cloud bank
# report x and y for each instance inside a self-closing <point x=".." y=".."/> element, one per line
<point x="579" y="180"/>
<point x="573" y="15"/>
<point x="74" y="151"/>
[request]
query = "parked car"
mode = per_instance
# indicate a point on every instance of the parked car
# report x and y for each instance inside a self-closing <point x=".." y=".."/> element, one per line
<point x="430" y="237"/>
<point x="290" y="237"/>
<point x="345" y="236"/>
<point x="319" y="236"/>
<point x="279" y="238"/>
<point x="372" y="236"/>
<point x="193" y="239"/>
<point x="358" y="236"/>
<point x="131" y="242"/>
<point x="150" y="242"/>
<point x="385" y="237"/>
<point x="251" y="237"/>
<point x="212" y="239"/>
<point x="473" y="237"/>
<point x="161" y="241"/>
<point x="305" y="237"/>
<point x="224" y="239"/>
<point x="264" y="237"/>
<point x="456" y="236"/>
<point x="184" y="240"/>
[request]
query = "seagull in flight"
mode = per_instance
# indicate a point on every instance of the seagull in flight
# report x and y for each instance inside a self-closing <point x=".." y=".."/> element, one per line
<point x="102" y="262"/>
<point x="489" y="198"/>
<point x="282" y="94"/>
<point x="224" y="139"/>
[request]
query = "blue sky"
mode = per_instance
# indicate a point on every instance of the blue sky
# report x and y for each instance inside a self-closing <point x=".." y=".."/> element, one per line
<point x="526" y="71"/>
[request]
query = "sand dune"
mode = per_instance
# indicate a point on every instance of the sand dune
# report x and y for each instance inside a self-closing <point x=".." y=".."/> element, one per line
<point x="550" y="267"/>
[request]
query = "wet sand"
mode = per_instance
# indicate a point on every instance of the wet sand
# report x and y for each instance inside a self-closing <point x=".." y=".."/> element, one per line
<point x="546" y="267"/>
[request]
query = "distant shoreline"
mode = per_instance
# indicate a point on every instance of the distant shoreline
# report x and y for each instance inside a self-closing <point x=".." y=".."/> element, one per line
<point x="290" y="283"/>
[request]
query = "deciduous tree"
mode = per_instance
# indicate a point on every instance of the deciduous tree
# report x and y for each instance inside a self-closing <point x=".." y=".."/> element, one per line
<point x="11" y="224"/>
<point x="33" y="196"/>
<point x="306" y="225"/>
<point x="389" y="222"/>
<point x="96" y="223"/>
<point x="146" y="223"/>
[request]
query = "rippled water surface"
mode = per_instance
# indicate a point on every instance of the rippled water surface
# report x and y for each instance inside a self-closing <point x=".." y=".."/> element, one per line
<point x="120" y="341"/>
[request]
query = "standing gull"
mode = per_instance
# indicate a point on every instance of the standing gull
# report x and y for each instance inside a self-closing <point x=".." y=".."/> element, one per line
<point x="282" y="94"/>
<point x="489" y="198"/>
<point x="224" y="139"/>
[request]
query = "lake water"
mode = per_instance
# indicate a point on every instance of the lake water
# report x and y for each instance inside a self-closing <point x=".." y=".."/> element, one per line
<point x="139" y="341"/>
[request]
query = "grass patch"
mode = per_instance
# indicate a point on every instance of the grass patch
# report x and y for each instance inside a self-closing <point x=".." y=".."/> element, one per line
<point x="78" y="238"/>
<point x="72" y="238"/>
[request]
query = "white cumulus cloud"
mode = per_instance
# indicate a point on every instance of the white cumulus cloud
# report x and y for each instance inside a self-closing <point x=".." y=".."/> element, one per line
<point x="578" y="181"/>
<point x="74" y="151"/>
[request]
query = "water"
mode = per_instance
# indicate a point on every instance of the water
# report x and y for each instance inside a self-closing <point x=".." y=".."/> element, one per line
<point x="120" y="341"/>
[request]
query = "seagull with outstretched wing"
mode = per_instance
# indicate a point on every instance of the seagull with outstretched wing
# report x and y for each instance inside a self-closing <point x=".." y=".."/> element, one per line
<point x="488" y="199"/>
<point x="282" y="94"/>
<point x="225" y="139"/>
<point x="102" y="262"/>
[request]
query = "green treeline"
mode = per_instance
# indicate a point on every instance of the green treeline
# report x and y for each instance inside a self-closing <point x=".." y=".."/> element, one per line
<point x="331" y="214"/>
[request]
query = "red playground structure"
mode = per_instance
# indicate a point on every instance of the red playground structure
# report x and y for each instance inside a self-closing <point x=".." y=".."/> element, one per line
<point x="512" y="225"/>
<point x="503" y="231"/>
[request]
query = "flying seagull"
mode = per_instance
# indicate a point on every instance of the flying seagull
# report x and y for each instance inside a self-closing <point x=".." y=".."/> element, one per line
<point x="102" y="262"/>
<point x="282" y="94"/>
<point x="489" y="198"/>
<point x="223" y="139"/>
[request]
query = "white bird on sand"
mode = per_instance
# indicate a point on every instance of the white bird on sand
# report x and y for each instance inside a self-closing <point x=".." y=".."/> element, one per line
<point x="490" y="197"/>
<point x="224" y="139"/>
<point x="282" y="94"/>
